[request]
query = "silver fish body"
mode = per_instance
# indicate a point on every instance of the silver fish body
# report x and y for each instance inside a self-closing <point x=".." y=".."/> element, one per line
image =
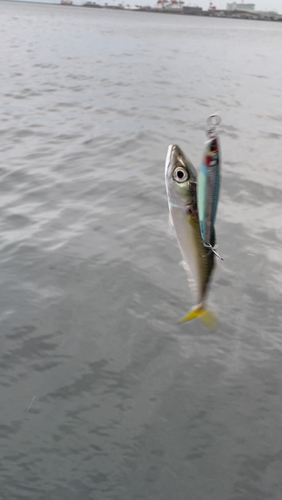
<point x="181" y="186"/>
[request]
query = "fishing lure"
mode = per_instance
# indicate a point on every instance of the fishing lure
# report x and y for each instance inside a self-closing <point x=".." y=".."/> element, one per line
<point x="208" y="185"/>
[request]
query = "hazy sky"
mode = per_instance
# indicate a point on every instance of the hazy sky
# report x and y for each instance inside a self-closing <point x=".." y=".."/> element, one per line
<point x="266" y="5"/>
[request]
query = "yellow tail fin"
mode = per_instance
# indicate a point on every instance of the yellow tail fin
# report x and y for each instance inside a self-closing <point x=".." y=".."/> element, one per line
<point x="204" y="314"/>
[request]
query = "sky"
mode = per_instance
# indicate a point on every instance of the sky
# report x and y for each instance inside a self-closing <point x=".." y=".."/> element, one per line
<point x="264" y="5"/>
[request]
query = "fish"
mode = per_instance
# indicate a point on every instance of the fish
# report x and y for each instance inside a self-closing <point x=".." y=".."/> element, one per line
<point x="181" y="188"/>
<point x="208" y="186"/>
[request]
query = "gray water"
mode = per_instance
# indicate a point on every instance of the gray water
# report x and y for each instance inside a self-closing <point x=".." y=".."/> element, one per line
<point x="103" y="395"/>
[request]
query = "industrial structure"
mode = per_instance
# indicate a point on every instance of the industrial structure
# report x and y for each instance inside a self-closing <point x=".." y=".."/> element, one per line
<point x="248" y="7"/>
<point x="168" y="4"/>
<point x="192" y="11"/>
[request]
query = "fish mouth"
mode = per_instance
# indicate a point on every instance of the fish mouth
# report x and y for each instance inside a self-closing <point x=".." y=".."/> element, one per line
<point x="168" y="157"/>
<point x="174" y="154"/>
<point x="177" y="154"/>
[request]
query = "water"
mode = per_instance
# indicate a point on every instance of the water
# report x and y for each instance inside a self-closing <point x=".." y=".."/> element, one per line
<point x="103" y="395"/>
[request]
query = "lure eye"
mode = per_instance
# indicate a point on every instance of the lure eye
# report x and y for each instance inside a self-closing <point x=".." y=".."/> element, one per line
<point x="180" y="174"/>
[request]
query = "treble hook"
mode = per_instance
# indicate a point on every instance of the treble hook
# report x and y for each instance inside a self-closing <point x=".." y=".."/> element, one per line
<point x="211" y="249"/>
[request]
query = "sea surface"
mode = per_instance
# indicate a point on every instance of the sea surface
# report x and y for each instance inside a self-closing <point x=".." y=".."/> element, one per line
<point x="103" y="395"/>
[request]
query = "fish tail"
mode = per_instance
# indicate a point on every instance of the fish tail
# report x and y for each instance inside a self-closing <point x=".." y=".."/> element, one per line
<point x="203" y="313"/>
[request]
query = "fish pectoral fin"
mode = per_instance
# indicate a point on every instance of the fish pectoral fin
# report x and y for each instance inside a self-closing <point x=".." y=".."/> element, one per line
<point x="200" y="312"/>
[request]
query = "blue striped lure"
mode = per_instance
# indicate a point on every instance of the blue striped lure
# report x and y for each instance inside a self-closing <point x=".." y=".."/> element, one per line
<point x="208" y="185"/>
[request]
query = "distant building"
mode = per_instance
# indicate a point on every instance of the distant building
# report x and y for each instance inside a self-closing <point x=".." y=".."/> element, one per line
<point x="249" y="7"/>
<point x="192" y="11"/>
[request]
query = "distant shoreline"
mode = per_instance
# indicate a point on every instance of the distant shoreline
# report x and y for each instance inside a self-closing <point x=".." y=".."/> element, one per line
<point x="184" y="11"/>
<point x="188" y="11"/>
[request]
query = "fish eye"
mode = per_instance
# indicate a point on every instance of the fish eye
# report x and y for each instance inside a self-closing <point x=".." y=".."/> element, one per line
<point x="180" y="174"/>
